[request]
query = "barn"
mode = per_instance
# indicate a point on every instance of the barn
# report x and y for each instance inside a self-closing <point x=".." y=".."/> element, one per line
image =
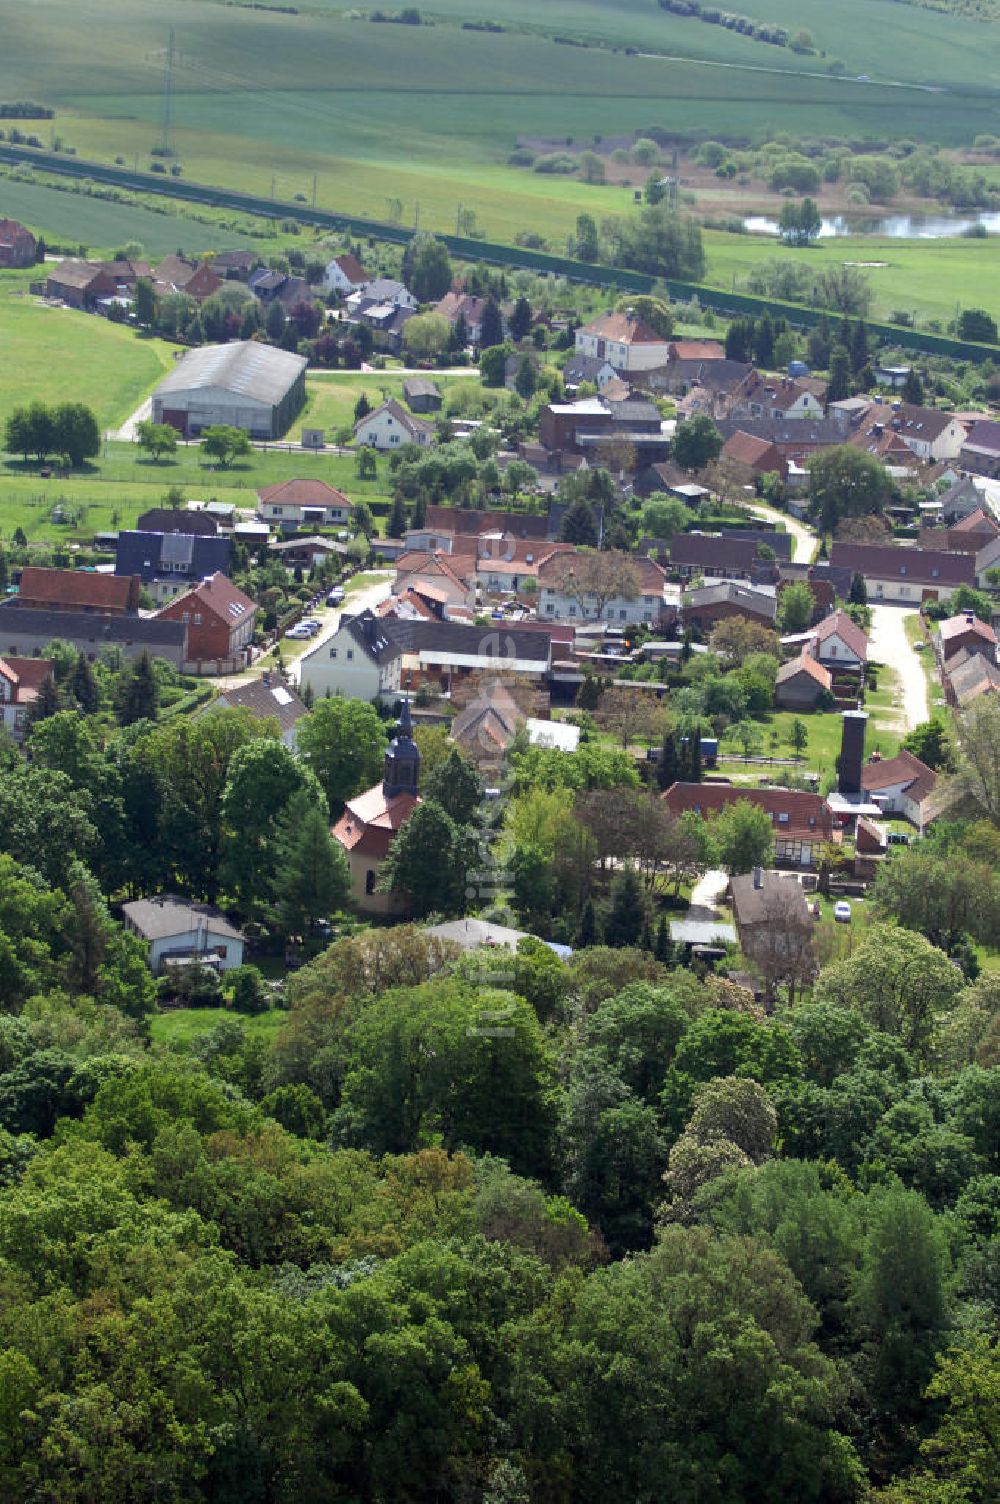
<point x="245" y="384"/>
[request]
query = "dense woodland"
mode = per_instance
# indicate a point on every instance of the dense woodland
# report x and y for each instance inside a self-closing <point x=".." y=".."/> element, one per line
<point x="484" y="1227"/>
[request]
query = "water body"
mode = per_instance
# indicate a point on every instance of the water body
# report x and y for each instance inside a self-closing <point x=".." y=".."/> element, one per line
<point x="893" y="226"/>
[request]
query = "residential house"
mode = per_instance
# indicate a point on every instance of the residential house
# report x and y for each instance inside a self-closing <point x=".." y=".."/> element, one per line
<point x="18" y="246"/>
<point x="485" y="728"/>
<point x="961" y="499"/>
<point x="802" y="683"/>
<point x="20" y="681"/>
<point x="705" y="607"/>
<point x="270" y="287"/>
<point x="371" y="821"/>
<point x="716" y="388"/>
<point x="453" y="576"/>
<point x="904" y="575"/>
<point x="511" y="563"/>
<point x="987" y="560"/>
<point x="306" y="553"/>
<point x="695" y="349"/>
<point x="802" y="822"/>
<point x="590" y="368"/>
<point x="782" y="398"/>
<point x="27" y="632"/>
<point x="235" y="265"/>
<point x="344" y="275"/>
<point x="931" y="434"/>
<point x="668" y="479"/>
<point x="421" y="395"/>
<point x="462" y="521"/>
<point x="770" y="909"/>
<point x="966" y="536"/>
<point x="965" y="633"/>
<point x="307" y="503"/>
<point x="169" y="562"/>
<point x="559" y="597"/>
<point x="391" y="426"/>
<point x="382" y="290"/>
<point x="980" y="451"/>
<point x="177" y="520"/>
<point x="220" y="621"/>
<point x="796" y="439"/>
<point x="180" y="932"/>
<point x="92" y="285"/>
<point x="627" y="343"/>
<point x="839" y="642"/>
<point x="712" y="555"/>
<point x="243" y="384"/>
<point x="361" y="661"/>
<point x="197" y="279"/>
<point x="967" y="675"/>
<point x="900" y="785"/>
<point x="750" y="456"/>
<point x="460" y="305"/>
<point x="79" y="590"/>
<point x="268" y="698"/>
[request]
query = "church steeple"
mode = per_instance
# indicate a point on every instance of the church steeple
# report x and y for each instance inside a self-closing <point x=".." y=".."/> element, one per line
<point x="402" y="759"/>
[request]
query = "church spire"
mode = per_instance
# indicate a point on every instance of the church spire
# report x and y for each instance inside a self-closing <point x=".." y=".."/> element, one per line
<point x="402" y="758"/>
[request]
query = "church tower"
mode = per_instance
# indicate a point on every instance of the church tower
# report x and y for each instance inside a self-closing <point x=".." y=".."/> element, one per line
<point x="402" y="759"/>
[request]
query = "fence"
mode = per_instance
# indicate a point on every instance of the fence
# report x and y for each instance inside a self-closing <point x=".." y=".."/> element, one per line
<point x="514" y="257"/>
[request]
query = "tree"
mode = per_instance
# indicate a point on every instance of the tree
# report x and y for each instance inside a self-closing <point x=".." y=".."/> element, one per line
<point x="222" y="442"/>
<point x="83" y="686"/>
<point x="858" y="594"/>
<point x="800" y="224"/>
<point x="900" y="982"/>
<point x="742" y="836"/>
<point x="585" y="243"/>
<point x="651" y="310"/>
<point x="490" y="324"/>
<point x="427" y="862"/>
<point x="145" y="303"/>
<point x="663" y="516"/>
<point x="796" y="607"/>
<point x="274" y="321"/>
<point x="520" y="318"/>
<point x="362" y="407"/>
<point x="157" y="438"/>
<point x="975" y="324"/>
<point x="47" y="702"/>
<point x="30" y="431"/>
<point x="138" y="693"/>
<point x="913" y="390"/>
<point x="977" y="731"/>
<point x="931" y="742"/>
<point x="839" y="385"/>
<point x="801" y="40"/>
<point x="846" y="481"/>
<point x="525" y="378"/>
<point x="579" y="525"/>
<point x="311" y="879"/>
<point x="342" y="742"/>
<point x="798" y="737"/>
<point x="426" y="335"/>
<point x="396" y="526"/>
<point x="427" y="268"/>
<point x="935" y="895"/>
<point x="263" y="777"/>
<point x="627" y="910"/>
<point x="844" y="289"/>
<point x="75" y="433"/>
<point x="456" y="786"/>
<point x="697" y="441"/>
<point x="594" y="580"/>
<point x="366" y="463"/>
<point x="493" y="364"/>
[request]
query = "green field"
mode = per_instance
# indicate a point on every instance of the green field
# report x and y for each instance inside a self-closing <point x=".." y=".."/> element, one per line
<point x="181" y="1025"/>
<point x="330" y="399"/>
<point x="428" y="114"/>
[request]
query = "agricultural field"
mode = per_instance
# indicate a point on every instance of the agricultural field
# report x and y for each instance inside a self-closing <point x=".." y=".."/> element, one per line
<point x="426" y="115"/>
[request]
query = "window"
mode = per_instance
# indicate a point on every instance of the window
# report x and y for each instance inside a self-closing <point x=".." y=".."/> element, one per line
<point x="350" y="655"/>
<point x="370" y="880"/>
<point x="197" y="618"/>
<point x="276" y="511"/>
<point x="333" y="652"/>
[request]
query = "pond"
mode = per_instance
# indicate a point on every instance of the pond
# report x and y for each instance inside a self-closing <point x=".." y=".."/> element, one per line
<point x="893" y="226"/>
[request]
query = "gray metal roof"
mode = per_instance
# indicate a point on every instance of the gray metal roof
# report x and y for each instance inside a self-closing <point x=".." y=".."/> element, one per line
<point x="246" y="368"/>
<point x="160" y="918"/>
<point x="83" y="626"/>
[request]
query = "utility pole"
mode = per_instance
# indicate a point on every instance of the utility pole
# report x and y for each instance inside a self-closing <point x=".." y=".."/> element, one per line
<point x="314" y="191"/>
<point x="416" y="216"/>
<point x="165" y="145"/>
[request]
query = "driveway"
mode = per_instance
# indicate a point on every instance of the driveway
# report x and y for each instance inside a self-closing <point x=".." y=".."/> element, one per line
<point x="359" y="600"/>
<point x="804" y="546"/>
<point x="127" y="433"/>
<point x="889" y="644"/>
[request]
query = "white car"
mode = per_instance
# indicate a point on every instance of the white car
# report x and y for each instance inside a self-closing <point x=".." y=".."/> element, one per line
<point x="299" y="633"/>
<point x="842" y="912"/>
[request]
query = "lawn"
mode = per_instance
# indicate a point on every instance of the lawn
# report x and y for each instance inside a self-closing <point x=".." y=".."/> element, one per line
<point x="122" y="483"/>
<point x="59" y="355"/>
<point x="330" y="398"/>
<point x="181" y="1025"/>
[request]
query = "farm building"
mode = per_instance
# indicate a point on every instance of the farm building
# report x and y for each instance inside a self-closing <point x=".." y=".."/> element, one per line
<point x="18" y="246"/>
<point x="245" y="384"/>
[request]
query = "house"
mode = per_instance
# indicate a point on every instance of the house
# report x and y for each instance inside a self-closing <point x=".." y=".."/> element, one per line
<point x="460" y="305"/>
<point x="235" y="265"/>
<point x="244" y="384"/>
<point x="751" y="456"/>
<point x="460" y="522"/>
<point x="175" y="520"/>
<point x="966" y="536"/>
<point x="268" y="698"/>
<point x="20" y="681"/>
<point x="980" y="451"/>
<point x="967" y="675"/>
<point x="695" y="349"/>
<point x="219" y="619"/>
<point x="421" y="395"/>
<point x="371" y="820"/>
<point x="802" y="822"/>
<point x="581" y="368"/>
<point x="560" y="599"/>
<point x="383" y="290"/>
<point x="965" y="633"/>
<point x="485" y="728"/>
<point x="180" y="932"/>
<point x="169" y="562"/>
<point x="802" y="683"/>
<point x="986" y="561"/>
<point x="712" y="555"/>
<point x="472" y="934"/>
<point x="79" y="590"/>
<point x="454" y="578"/>
<point x="306" y="553"/>
<point x="391" y="426"/>
<point x="796" y="439"/>
<point x="782" y="398"/>
<point x="18" y="246"/>
<point x="344" y="275"/>
<point x="27" y="632"/>
<point x="197" y="279"/>
<point x="931" y="434"/>
<point x="505" y="564"/>
<point x="627" y="343"/>
<point x="960" y="500"/>
<point x="717" y="388"/>
<point x="769" y="906"/>
<point x="78" y="284"/>
<point x="279" y="287"/>
<point x="303" y="503"/>
<point x="361" y="661"/>
<point x="904" y="575"/>
<point x="704" y="608"/>
<point x="900" y="785"/>
<point x="839" y="642"/>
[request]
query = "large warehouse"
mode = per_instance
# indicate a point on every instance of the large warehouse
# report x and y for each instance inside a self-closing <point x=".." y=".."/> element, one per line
<point x="245" y="384"/>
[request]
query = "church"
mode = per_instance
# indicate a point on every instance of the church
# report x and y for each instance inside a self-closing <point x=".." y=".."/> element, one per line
<point x="371" y="819"/>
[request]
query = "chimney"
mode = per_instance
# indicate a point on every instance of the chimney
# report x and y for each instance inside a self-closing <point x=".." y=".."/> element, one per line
<point x="970" y="618"/>
<point x="758" y="877"/>
<point x="852" y="751"/>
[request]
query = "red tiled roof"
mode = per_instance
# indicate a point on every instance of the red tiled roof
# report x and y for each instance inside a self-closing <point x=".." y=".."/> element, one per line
<point x="624" y="329"/>
<point x="696" y="349"/>
<point x="804" y="665"/>
<point x="77" y="588"/>
<point x="304" y="493"/>
<point x="747" y="448"/>
<point x="958" y="626"/>
<point x="976" y="522"/>
<point x="916" y="565"/>
<point x="839" y="624"/>
<point x="917" y="778"/>
<point x="807" y="815"/>
<point x="370" y="821"/>
<point x="217" y="595"/>
<point x="352" y="268"/>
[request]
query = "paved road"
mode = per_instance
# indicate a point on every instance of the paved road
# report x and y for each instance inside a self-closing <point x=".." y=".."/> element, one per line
<point x="888" y="643"/>
<point x="805" y="539"/>
<point x="358" y="600"/>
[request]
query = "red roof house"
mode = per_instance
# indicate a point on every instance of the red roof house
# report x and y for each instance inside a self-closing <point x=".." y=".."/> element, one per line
<point x="77" y="590"/>
<point x="219" y="619"/>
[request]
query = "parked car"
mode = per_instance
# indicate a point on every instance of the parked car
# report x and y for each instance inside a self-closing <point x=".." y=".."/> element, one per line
<point x="335" y="596"/>
<point x="918" y="647"/>
<point x="898" y="838"/>
<point x="842" y="912"/>
<point x="299" y="632"/>
<point x="311" y="625"/>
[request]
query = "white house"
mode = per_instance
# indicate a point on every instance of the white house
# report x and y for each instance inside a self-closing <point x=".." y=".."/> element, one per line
<point x="383" y="290"/>
<point x="309" y="501"/>
<point x="361" y="661"/>
<point x="627" y="343"/>
<point x="20" y="681"/>
<point x="558" y="602"/>
<point x="782" y="399"/>
<point x="902" y="785"/>
<point x="839" y="642"/>
<point x="390" y="427"/>
<point x="931" y="434"/>
<point x="179" y="932"/>
<point x="344" y="275"/>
